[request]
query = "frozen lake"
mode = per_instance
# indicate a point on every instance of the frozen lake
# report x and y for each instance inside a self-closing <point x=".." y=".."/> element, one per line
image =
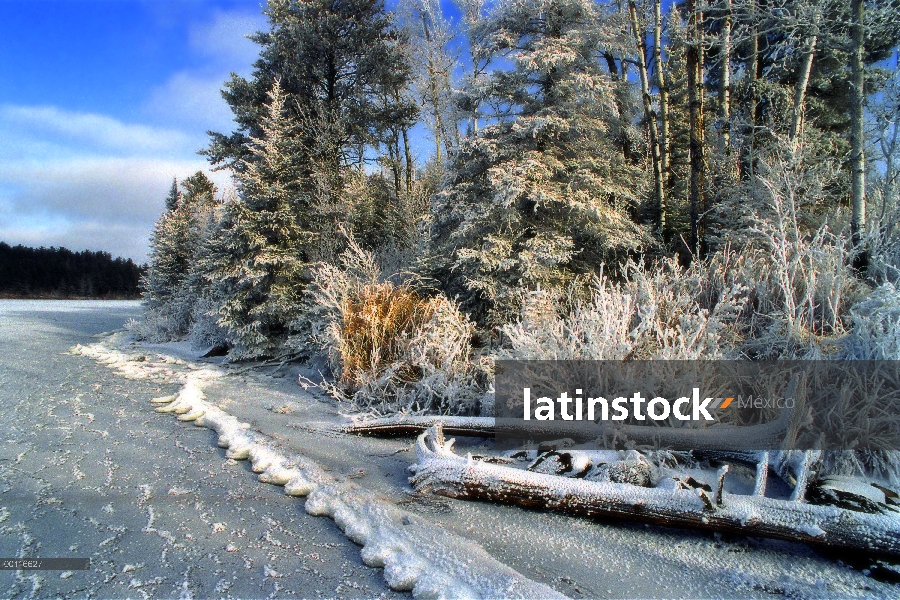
<point x="88" y="469"/>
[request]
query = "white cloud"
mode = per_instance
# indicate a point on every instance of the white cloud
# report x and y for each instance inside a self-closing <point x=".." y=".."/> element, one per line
<point x="116" y="189"/>
<point x="224" y="38"/>
<point x="88" y="181"/>
<point x="91" y="181"/>
<point x="95" y="203"/>
<point x="88" y="130"/>
<point x="192" y="100"/>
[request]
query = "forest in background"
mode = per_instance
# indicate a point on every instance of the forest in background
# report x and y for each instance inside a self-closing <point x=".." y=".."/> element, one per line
<point x="609" y="180"/>
<point x="60" y="273"/>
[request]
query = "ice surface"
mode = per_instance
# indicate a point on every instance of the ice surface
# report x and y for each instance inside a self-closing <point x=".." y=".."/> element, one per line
<point x="608" y="558"/>
<point x="415" y="556"/>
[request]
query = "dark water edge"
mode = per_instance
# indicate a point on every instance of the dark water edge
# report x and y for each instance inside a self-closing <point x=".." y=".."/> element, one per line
<point x="5" y="296"/>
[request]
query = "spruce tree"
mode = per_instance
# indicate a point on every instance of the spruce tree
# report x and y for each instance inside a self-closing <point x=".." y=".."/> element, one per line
<point x="541" y="194"/>
<point x="170" y="286"/>
<point x="267" y="236"/>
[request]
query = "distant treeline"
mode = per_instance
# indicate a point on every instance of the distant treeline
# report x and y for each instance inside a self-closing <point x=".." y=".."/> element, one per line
<point x="60" y="273"/>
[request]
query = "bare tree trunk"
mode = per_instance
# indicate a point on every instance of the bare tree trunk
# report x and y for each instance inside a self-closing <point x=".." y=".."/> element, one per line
<point x="725" y="81"/>
<point x="747" y="147"/>
<point x="694" y="60"/>
<point x="857" y="134"/>
<point x="611" y="65"/>
<point x="649" y="114"/>
<point x="408" y="158"/>
<point x="621" y="84"/>
<point x="394" y="157"/>
<point x="800" y="92"/>
<point x="432" y="85"/>
<point x="663" y="99"/>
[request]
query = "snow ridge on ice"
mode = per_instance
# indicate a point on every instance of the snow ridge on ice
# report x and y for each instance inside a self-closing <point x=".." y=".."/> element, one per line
<point x="417" y="557"/>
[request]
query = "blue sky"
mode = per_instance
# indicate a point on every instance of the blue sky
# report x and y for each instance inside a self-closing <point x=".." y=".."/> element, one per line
<point x="102" y="103"/>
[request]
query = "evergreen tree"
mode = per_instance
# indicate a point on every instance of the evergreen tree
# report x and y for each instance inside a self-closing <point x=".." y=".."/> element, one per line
<point x="169" y="288"/>
<point x="267" y="236"/>
<point x="339" y="65"/>
<point x="542" y="194"/>
<point x="168" y="267"/>
<point x="61" y="273"/>
<point x="174" y="197"/>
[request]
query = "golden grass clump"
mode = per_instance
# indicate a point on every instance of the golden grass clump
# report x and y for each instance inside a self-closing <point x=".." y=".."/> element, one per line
<point x="378" y="323"/>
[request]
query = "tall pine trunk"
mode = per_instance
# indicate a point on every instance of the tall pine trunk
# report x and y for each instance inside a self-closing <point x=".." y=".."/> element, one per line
<point x="663" y="93"/>
<point x="857" y="133"/>
<point x="694" y="63"/>
<point x="407" y="154"/>
<point x="749" y="130"/>
<point x="649" y="114"/>
<point x="725" y="82"/>
<point x="800" y="92"/>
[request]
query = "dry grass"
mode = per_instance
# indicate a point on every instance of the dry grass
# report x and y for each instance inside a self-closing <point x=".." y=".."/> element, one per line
<point x="377" y="325"/>
<point x="391" y="348"/>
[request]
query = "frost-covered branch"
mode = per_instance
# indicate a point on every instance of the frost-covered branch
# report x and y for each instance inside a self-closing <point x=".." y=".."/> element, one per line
<point x="441" y="471"/>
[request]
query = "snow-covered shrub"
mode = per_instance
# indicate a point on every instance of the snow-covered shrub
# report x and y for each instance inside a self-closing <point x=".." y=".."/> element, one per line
<point x="205" y="330"/>
<point x="883" y="244"/>
<point x="658" y="312"/>
<point x="794" y="261"/>
<point x="391" y="348"/>
<point x="876" y="326"/>
<point x="153" y="327"/>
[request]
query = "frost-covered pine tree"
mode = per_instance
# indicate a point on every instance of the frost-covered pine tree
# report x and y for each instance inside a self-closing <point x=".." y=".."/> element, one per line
<point x="167" y="266"/>
<point x="169" y="287"/>
<point x="541" y="194"/>
<point x="198" y="214"/>
<point x="256" y="263"/>
<point x="340" y="66"/>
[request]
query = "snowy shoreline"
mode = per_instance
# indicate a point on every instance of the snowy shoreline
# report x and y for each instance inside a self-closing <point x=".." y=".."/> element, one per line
<point x="276" y="458"/>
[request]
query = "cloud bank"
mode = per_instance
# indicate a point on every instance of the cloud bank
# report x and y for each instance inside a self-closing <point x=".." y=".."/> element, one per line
<point x="93" y="181"/>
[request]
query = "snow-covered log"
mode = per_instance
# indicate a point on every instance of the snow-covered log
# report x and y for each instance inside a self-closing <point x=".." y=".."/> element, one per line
<point x="772" y="434"/>
<point x="399" y="425"/>
<point x="443" y="472"/>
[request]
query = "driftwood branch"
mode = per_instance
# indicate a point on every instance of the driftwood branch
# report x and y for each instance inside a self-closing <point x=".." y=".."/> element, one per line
<point x="443" y="472"/>
<point x="776" y="434"/>
<point x="411" y="425"/>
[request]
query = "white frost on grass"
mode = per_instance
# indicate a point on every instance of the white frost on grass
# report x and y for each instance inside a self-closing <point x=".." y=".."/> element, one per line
<point x="416" y="556"/>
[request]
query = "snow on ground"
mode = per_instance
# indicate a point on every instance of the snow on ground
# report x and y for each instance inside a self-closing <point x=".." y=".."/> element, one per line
<point x="415" y="557"/>
<point x="361" y="482"/>
<point x="87" y="469"/>
<point x="164" y="513"/>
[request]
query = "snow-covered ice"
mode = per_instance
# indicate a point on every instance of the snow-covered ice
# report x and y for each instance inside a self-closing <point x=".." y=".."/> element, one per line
<point x="422" y="541"/>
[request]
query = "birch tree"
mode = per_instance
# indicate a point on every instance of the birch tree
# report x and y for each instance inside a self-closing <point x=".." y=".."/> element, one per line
<point x="434" y="64"/>
<point x="650" y="115"/>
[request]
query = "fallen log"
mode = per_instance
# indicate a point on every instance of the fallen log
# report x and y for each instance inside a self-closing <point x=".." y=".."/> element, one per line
<point x="776" y="434"/>
<point x="728" y="437"/>
<point x="409" y="425"/>
<point x="439" y="470"/>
